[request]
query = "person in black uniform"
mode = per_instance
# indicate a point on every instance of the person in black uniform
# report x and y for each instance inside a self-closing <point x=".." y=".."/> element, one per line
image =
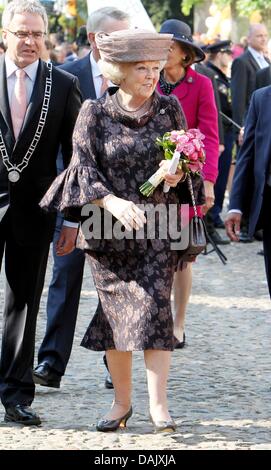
<point x="219" y="60"/>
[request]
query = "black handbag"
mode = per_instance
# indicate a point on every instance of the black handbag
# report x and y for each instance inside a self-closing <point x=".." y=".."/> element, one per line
<point x="197" y="231"/>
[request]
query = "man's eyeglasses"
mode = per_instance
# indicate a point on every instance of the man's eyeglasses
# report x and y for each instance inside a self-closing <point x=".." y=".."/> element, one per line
<point x="26" y="34"/>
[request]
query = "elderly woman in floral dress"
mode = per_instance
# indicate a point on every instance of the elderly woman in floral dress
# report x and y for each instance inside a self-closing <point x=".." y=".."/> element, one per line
<point x="114" y="153"/>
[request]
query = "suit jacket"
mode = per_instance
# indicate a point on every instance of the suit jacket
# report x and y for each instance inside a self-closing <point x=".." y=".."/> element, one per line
<point x="196" y="96"/>
<point x="82" y="70"/>
<point x="205" y="70"/>
<point x="243" y="83"/>
<point x="263" y="77"/>
<point x="29" y="223"/>
<point x="253" y="160"/>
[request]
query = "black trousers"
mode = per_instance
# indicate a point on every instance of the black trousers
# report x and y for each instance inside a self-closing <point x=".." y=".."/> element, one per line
<point x="266" y="225"/>
<point x="62" y="306"/>
<point x="25" y="268"/>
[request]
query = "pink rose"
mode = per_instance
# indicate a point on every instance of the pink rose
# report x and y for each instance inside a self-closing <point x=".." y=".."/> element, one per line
<point x="197" y="134"/>
<point x="180" y="147"/>
<point x="173" y="136"/>
<point x="189" y="149"/>
<point x="190" y="135"/>
<point x="194" y="156"/>
<point x="182" y="139"/>
<point x="197" y="143"/>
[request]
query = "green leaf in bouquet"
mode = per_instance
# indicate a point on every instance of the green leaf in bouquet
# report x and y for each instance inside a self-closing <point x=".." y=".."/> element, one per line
<point x="168" y="154"/>
<point x="166" y="136"/>
<point x="159" y="142"/>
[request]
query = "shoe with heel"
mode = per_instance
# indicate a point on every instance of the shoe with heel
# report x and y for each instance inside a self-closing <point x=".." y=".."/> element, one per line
<point x="164" y="426"/>
<point x="106" y="425"/>
<point x="179" y="344"/>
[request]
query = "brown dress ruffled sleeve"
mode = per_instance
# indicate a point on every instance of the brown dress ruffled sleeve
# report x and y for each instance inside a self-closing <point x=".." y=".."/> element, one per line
<point x="83" y="181"/>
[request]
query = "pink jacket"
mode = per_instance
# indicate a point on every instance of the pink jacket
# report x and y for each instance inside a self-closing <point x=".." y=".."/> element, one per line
<point x="196" y="96"/>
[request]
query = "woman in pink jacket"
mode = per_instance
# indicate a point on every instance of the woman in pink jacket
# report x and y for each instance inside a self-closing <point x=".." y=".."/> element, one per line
<point x="196" y="96"/>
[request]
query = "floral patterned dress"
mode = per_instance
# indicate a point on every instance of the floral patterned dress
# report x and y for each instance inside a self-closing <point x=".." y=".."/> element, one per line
<point x="116" y="153"/>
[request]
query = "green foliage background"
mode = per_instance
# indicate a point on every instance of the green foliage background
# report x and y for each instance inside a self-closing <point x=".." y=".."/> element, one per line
<point x="161" y="10"/>
<point x="239" y="7"/>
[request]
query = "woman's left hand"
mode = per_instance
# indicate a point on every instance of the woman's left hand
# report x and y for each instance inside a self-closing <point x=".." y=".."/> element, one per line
<point x="173" y="180"/>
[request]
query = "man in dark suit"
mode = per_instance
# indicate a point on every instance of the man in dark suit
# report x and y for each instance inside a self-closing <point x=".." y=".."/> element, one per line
<point x="39" y="107"/>
<point x="263" y="77"/>
<point x="244" y="68"/>
<point x="65" y="288"/>
<point x="251" y="190"/>
<point x="243" y="83"/>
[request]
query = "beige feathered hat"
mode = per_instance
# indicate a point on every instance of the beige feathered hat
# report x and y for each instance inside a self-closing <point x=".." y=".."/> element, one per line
<point x="133" y="45"/>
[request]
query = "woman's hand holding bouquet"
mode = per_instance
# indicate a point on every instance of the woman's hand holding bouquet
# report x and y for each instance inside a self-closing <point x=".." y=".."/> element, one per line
<point x="184" y="151"/>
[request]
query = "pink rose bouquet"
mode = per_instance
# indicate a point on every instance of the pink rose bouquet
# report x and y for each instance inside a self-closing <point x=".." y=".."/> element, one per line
<point x="182" y="149"/>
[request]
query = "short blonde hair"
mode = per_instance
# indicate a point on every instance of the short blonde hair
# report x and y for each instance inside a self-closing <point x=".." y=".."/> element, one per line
<point x="113" y="71"/>
<point x="117" y="71"/>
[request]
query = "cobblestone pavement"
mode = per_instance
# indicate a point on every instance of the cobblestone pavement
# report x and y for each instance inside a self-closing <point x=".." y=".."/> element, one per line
<point x="220" y="384"/>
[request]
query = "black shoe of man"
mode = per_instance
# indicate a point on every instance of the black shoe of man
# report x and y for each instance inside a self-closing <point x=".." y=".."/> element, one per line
<point x="44" y="375"/>
<point x="22" y="414"/>
<point x="258" y="235"/>
<point x="245" y="238"/>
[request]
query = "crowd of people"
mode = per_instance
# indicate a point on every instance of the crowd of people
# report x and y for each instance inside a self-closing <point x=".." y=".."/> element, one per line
<point x="78" y="132"/>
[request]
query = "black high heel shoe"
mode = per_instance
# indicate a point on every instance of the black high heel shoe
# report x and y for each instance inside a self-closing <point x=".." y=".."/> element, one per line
<point x="180" y="344"/>
<point x="164" y="426"/>
<point x="105" y="425"/>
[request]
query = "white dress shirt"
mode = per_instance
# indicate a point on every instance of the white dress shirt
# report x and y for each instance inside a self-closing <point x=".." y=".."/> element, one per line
<point x="97" y="76"/>
<point x="259" y="57"/>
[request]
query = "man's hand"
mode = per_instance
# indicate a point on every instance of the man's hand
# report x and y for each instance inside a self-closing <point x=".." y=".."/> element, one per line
<point x="209" y="196"/>
<point x="66" y="241"/>
<point x="232" y="223"/>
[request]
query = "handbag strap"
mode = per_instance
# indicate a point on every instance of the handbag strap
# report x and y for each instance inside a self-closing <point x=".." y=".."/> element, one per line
<point x="190" y="187"/>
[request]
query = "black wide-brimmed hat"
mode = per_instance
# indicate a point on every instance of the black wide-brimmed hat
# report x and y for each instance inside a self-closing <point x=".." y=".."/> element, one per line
<point x="219" y="46"/>
<point x="182" y="33"/>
